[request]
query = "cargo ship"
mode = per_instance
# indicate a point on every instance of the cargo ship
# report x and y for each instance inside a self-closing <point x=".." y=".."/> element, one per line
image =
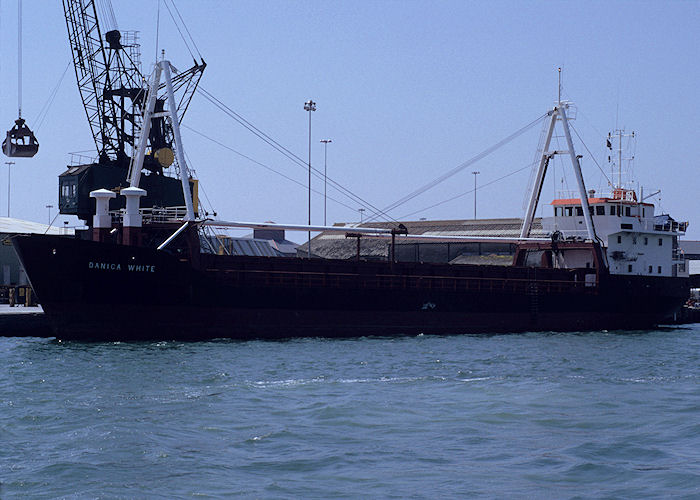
<point x="145" y="278"/>
<point x="147" y="267"/>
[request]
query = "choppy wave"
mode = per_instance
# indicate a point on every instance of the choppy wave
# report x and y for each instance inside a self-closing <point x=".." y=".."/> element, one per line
<point x="554" y="415"/>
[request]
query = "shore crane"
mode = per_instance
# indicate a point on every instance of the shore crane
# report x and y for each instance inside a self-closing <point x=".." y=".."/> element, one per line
<point x="113" y="91"/>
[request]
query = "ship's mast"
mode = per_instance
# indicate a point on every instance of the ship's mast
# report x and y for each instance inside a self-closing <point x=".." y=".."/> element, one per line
<point x="617" y="167"/>
<point x="163" y="69"/>
<point x="619" y="159"/>
<point x="559" y="113"/>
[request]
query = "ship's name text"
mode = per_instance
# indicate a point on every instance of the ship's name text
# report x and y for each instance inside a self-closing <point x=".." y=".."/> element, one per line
<point x="111" y="266"/>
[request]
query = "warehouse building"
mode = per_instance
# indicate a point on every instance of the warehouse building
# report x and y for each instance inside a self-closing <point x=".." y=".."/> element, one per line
<point x="11" y="272"/>
<point x="335" y="245"/>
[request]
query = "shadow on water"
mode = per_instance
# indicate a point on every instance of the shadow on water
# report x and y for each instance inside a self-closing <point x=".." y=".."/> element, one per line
<point x="179" y="344"/>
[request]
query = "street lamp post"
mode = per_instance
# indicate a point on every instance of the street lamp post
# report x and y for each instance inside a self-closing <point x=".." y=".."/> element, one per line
<point x="475" y="174"/>
<point x="325" y="176"/>
<point x="9" y="167"/>
<point x="309" y="106"/>
<point x="49" y="207"/>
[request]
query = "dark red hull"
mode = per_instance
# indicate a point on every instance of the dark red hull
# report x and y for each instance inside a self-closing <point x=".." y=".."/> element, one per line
<point x="102" y="291"/>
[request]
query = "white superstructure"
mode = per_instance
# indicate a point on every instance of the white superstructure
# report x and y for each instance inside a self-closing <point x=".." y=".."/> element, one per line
<point x="635" y="239"/>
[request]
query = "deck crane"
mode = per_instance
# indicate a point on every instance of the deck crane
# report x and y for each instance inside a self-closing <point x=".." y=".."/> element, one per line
<point x="113" y="90"/>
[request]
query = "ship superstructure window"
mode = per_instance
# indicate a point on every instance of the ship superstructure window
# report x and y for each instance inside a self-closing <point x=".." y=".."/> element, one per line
<point x="646" y="240"/>
<point x="619" y="239"/>
<point x="627" y="211"/>
<point x="661" y="242"/>
<point x="644" y="212"/>
<point x="600" y="210"/>
<point x="650" y="269"/>
<point x="659" y="269"/>
<point x="629" y="268"/>
<point x="579" y="211"/>
<point x="569" y="211"/>
<point x="612" y="210"/>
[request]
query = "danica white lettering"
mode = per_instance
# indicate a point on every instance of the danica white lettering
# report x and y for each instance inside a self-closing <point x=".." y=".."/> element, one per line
<point x="105" y="266"/>
<point x="141" y="268"/>
<point x="110" y="266"/>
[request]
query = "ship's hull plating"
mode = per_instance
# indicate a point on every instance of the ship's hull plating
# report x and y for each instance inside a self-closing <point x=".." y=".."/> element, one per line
<point x="101" y="291"/>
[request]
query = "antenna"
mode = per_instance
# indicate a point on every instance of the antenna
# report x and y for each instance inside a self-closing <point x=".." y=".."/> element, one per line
<point x="157" y="29"/>
<point x="616" y="160"/>
<point x="619" y="159"/>
<point x="559" y="86"/>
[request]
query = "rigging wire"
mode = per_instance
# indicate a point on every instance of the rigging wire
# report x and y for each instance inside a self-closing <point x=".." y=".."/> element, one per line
<point x="470" y="191"/>
<point x="184" y="25"/>
<point x="462" y="166"/>
<point x="591" y="154"/>
<point x="43" y="113"/>
<point x="109" y="20"/>
<point x="0" y="42"/>
<point x="19" y="57"/>
<point x="376" y="212"/>
<point x="112" y="16"/>
<point x="295" y="159"/>
<point x="289" y="154"/>
<point x="187" y="45"/>
<point x="193" y="173"/>
<point x="590" y="123"/>
<point x="267" y="167"/>
<point x="564" y="178"/>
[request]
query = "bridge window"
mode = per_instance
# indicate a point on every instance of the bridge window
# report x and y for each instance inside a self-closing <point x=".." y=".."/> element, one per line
<point x="650" y="268"/>
<point x="659" y="269"/>
<point x="569" y="211"/>
<point x="619" y="239"/>
<point x="629" y="268"/>
<point x="661" y="242"/>
<point x="627" y="211"/>
<point x="646" y="240"/>
<point x="579" y="211"/>
<point x="600" y="210"/>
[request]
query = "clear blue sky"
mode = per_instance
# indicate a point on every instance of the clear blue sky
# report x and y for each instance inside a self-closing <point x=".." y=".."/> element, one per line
<point x="406" y="90"/>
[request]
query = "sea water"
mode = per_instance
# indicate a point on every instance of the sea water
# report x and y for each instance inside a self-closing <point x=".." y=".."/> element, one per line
<point x="535" y="415"/>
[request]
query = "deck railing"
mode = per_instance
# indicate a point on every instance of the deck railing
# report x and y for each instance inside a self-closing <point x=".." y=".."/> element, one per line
<point x="300" y="279"/>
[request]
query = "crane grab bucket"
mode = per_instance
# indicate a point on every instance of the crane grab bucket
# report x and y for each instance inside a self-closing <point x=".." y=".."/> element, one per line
<point x="20" y="141"/>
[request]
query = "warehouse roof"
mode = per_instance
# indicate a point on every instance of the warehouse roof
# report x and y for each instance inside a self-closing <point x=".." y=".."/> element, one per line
<point x="10" y="225"/>
<point x="690" y="248"/>
<point x="335" y="245"/>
